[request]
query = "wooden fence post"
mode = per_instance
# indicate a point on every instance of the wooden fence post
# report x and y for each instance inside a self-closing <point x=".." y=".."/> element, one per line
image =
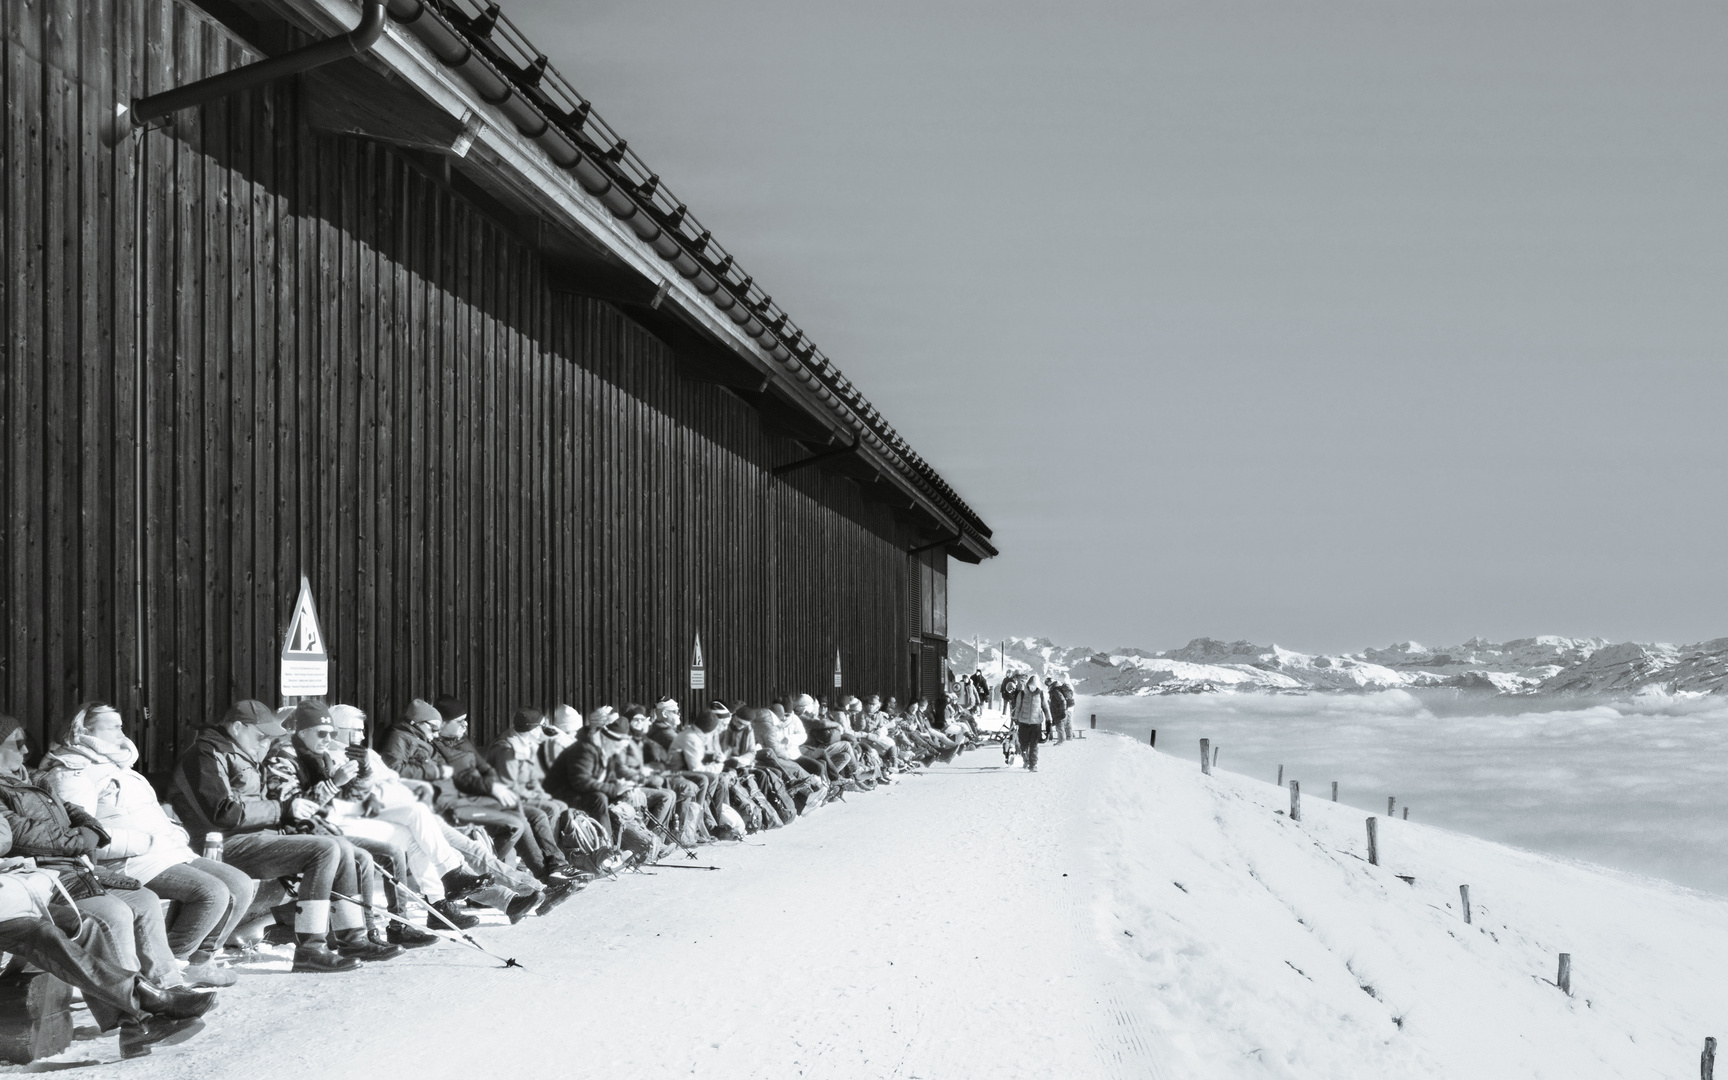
<point x="1564" y="982"/>
<point x="1295" y="800"/>
<point x="1215" y="750"/>
<point x="1464" y="894"/>
<point x="1334" y="791"/>
<point x="1094" y="721"/>
<point x="1206" y="757"/>
<point x="1390" y="800"/>
<point x="1406" y="813"/>
<point x="1707" y="1060"/>
<point x="1280" y="776"/>
<point x="1373" y="842"/>
<point x="1153" y="740"/>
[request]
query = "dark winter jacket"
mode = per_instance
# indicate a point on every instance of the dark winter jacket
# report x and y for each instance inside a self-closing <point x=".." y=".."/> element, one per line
<point x="410" y="753"/>
<point x="473" y="775"/>
<point x="583" y="769"/>
<point x="520" y="772"/>
<point x="55" y="833"/>
<point x="737" y="739"/>
<point x="291" y="772"/>
<point x="218" y="788"/>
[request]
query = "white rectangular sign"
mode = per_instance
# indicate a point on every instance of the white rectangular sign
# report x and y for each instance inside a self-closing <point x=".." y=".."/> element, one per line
<point x="305" y="678"/>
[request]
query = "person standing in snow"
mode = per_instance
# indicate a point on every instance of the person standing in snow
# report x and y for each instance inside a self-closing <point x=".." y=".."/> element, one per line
<point x="1055" y="727"/>
<point x="1031" y="713"/>
<point x="981" y="687"/>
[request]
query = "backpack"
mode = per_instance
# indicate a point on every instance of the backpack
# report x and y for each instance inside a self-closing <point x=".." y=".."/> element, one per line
<point x="748" y="799"/>
<point x="587" y="846"/>
<point x="775" y="794"/>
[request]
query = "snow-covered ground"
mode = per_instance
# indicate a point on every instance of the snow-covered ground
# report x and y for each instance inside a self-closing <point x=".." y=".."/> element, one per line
<point x="1637" y="784"/>
<point x="1114" y="915"/>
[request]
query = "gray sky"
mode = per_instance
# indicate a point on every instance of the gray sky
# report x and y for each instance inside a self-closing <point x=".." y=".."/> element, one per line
<point x="1329" y="324"/>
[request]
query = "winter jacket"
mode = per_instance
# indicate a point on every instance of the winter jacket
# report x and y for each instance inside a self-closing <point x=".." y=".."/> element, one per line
<point x="694" y="750"/>
<point x="1030" y="706"/>
<point x="515" y="761"/>
<point x="473" y="775"/>
<point x="218" y="788"/>
<point x="737" y="740"/>
<point x="291" y="771"/>
<point x="583" y="770"/>
<point x="56" y="834"/>
<point x="143" y="842"/>
<point x="410" y="753"/>
<point x="657" y="752"/>
<point x="551" y="748"/>
<point x="630" y="763"/>
<point x="1061" y="700"/>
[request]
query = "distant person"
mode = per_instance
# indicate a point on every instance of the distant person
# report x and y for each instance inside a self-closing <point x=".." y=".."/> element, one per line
<point x="981" y="687"/>
<point x="1055" y="726"/>
<point x="1010" y="690"/>
<point x="1066" y="693"/>
<point x="1031" y="713"/>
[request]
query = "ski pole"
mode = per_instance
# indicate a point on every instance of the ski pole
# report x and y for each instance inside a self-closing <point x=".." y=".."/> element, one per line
<point x="463" y="934"/>
<point x="680" y="866"/>
<point x="458" y="931"/>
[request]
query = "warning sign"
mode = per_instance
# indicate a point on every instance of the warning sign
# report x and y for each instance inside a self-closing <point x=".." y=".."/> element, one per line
<point x="305" y="662"/>
<point x="836" y="669"/>
<point x="698" y="673"/>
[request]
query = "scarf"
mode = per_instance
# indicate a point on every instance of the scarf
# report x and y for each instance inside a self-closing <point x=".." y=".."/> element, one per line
<point x="123" y="754"/>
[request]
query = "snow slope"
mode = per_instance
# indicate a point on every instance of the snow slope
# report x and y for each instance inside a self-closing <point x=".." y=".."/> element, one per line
<point x="1116" y="915"/>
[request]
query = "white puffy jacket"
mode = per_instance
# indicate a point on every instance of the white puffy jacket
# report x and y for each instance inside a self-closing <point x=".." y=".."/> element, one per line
<point x="145" y="841"/>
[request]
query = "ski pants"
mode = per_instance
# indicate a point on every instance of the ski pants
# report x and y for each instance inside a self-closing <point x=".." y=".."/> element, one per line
<point x="1028" y="735"/>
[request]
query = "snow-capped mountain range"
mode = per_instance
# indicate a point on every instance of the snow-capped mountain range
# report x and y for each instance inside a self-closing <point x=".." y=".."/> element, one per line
<point x="1539" y="665"/>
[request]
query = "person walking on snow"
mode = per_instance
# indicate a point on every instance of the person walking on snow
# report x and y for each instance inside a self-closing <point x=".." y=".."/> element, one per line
<point x="1031" y="713"/>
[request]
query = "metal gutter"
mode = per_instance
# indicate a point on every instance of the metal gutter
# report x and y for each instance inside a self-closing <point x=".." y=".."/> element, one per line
<point x="341" y="47"/>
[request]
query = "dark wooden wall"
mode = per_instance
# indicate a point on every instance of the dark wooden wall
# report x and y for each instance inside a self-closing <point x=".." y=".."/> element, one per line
<point x="240" y="351"/>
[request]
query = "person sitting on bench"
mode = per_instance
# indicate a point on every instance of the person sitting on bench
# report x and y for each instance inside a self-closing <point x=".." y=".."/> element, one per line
<point x="90" y="765"/>
<point x="218" y="786"/>
<point x="62" y="838"/>
<point x="40" y="930"/>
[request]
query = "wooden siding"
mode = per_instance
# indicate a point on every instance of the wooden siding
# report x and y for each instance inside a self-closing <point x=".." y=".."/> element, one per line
<point x="237" y="351"/>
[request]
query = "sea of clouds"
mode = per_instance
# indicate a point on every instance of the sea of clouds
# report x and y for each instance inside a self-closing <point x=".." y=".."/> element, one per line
<point x="1639" y="786"/>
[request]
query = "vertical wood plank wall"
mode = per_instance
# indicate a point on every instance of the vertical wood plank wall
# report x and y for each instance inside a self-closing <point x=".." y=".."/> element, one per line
<point x="240" y="351"/>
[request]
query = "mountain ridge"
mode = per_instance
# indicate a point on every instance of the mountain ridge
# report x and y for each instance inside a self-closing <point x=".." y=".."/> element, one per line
<point x="1531" y="666"/>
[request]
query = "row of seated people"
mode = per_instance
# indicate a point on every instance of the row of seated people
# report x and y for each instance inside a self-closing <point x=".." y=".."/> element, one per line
<point x="365" y="836"/>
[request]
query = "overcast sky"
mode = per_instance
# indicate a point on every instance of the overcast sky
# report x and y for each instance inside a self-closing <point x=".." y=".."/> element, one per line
<point x="1323" y="324"/>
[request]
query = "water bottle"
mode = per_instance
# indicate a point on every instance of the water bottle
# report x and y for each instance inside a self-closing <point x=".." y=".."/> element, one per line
<point x="213" y="846"/>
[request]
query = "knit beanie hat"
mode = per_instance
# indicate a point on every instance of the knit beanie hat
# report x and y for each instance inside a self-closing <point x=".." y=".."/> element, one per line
<point x="8" y="724"/>
<point x="312" y="713"/>
<point x="419" y="712"/>
<point x="450" y="707"/>
<point x="526" y="719"/>
<point x="619" y="727"/>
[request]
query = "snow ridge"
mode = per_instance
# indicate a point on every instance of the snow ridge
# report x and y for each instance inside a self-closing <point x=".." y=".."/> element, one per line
<point x="1522" y="666"/>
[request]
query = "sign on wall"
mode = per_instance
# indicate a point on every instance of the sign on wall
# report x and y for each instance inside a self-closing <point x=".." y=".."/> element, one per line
<point x="305" y="660"/>
<point x="698" y="673"/>
<point x="836" y="669"/>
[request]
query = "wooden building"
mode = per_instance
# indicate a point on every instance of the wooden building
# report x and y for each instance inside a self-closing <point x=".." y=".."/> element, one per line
<point x="417" y="325"/>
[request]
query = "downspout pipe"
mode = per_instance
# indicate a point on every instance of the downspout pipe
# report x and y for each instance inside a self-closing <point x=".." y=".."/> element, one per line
<point x="293" y="62"/>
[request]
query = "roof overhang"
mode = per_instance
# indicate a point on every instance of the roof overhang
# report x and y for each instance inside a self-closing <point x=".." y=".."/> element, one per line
<point x="405" y="94"/>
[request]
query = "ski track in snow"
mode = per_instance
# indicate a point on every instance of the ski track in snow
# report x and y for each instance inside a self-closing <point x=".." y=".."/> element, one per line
<point x="1118" y="915"/>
